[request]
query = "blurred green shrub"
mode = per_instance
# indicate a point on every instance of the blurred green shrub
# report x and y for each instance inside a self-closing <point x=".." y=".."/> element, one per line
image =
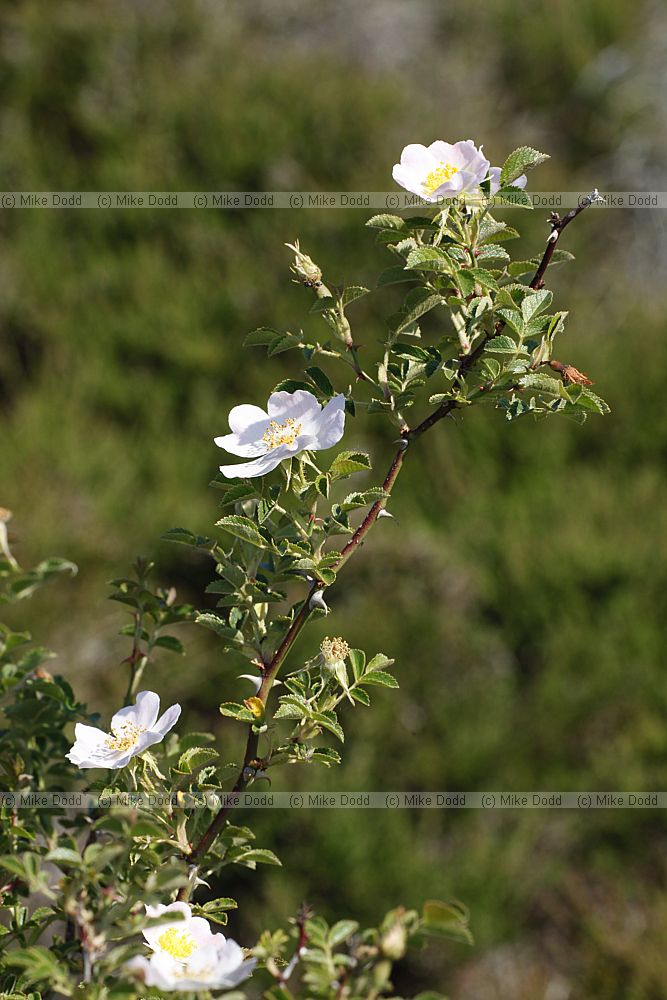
<point x="120" y="353"/>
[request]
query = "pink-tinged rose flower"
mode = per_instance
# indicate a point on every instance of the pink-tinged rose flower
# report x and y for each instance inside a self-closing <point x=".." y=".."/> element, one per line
<point x="442" y="169"/>
<point x="447" y="170"/>
<point x="292" y="422"/>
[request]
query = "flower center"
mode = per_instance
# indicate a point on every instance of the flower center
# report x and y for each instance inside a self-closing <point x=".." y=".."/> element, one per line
<point x="124" y="736"/>
<point x="277" y="434"/>
<point x="178" y="944"/>
<point x="439" y="176"/>
<point x="333" y="650"/>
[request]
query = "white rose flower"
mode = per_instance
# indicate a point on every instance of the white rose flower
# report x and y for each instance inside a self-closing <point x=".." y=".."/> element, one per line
<point x="442" y="169"/>
<point x="133" y="730"/>
<point x="188" y="956"/>
<point x="445" y="170"/>
<point x="293" y="422"/>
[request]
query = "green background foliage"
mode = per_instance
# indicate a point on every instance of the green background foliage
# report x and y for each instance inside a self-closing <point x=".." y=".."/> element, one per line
<point x="522" y="586"/>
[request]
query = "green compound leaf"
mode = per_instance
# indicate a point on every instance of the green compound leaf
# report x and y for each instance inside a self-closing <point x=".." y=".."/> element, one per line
<point x="232" y="710"/>
<point x="501" y="345"/>
<point x="518" y="162"/>
<point x="348" y="462"/>
<point x="386" y="222"/>
<point x="381" y="678"/>
<point x="418" y="302"/>
<point x="195" y="758"/>
<point x="321" y="380"/>
<point x="329" y="720"/>
<point x="243" y="528"/>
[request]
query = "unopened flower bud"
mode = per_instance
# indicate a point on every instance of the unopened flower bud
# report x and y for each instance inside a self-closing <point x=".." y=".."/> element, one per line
<point x="394" y="941"/>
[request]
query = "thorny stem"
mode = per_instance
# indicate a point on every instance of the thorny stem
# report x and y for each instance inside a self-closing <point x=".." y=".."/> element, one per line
<point x="356" y="364"/>
<point x="557" y="227"/>
<point x="304" y="913"/>
<point x="272" y="669"/>
<point x="408" y="435"/>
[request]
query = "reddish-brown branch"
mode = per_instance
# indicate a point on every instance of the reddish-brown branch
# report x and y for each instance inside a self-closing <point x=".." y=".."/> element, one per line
<point x="272" y="668"/>
<point x="250" y="763"/>
<point x="557" y="227"/>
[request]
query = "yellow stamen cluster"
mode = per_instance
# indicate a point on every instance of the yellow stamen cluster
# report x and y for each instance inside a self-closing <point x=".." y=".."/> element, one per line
<point x="277" y="434"/>
<point x="124" y="736"/>
<point x="178" y="944"/>
<point x="441" y="175"/>
<point x="334" y="650"/>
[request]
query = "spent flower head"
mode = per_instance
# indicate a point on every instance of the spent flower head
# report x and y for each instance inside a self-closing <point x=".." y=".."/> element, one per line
<point x="333" y="651"/>
<point x="306" y="270"/>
